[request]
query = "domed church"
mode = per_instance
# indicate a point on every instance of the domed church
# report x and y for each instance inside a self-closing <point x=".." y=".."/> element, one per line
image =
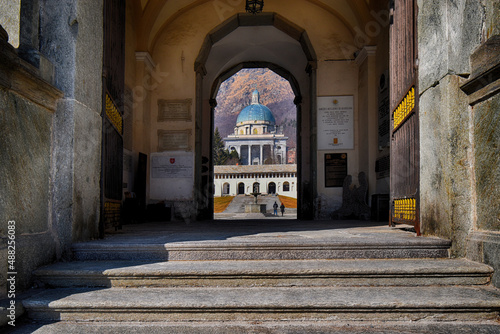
<point x="257" y="138"/>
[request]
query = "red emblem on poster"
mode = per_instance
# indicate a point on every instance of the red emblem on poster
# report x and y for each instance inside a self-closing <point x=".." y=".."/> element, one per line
<point x="172" y="160"/>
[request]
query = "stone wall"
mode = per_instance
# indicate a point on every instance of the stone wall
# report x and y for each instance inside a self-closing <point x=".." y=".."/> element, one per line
<point x="27" y="105"/>
<point x="459" y="124"/>
<point x="50" y="159"/>
<point x="71" y="38"/>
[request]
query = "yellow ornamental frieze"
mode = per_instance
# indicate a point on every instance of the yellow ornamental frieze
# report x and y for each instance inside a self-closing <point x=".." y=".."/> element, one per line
<point x="405" y="108"/>
<point x="113" y="114"/>
<point x="405" y="209"/>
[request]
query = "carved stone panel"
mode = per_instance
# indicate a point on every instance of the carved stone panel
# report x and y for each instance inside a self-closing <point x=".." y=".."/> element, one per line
<point x="174" y="140"/>
<point x="174" y="110"/>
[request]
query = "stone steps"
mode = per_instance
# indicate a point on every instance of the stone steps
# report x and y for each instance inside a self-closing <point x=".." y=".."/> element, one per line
<point x="254" y="273"/>
<point x="262" y="278"/>
<point x="268" y="327"/>
<point x="449" y="303"/>
<point x="259" y="250"/>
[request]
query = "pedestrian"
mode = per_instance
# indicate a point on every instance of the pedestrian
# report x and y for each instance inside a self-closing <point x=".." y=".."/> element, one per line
<point x="275" y="207"/>
<point x="282" y="207"/>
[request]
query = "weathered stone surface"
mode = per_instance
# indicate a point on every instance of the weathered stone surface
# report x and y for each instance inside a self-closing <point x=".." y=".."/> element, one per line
<point x="270" y="327"/>
<point x="25" y="131"/>
<point x="486" y="56"/>
<point x="465" y="23"/>
<point x="297" y="303"/>
<point x="433" y="50"/>
<point x="247" y="240"/>
<point x="485" y="247"/>
<point x="445" y="168"/>
<point x="27" y="103"/>
<point x="487" y="163"/>
<point x="88" y="27"/>
<point x="251" y="273"/>
<point x="492" y="23"/>
<point x="87" y="167"/>
<point x="9" y="19"/>
<point x="71" y="38"/>
<point x="448" y="32"/>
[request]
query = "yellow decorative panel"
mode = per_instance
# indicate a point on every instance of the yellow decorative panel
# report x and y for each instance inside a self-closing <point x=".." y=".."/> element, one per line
<point x="405" y="209"/>
<point x="113" y="114"/>
<point x="404" y="108"/>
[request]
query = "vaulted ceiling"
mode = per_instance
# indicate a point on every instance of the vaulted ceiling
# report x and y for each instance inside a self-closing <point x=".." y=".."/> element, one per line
<point x="151" y="16"/>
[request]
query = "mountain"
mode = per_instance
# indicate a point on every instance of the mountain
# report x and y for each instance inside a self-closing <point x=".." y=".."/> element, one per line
<point x="275" y="93"/>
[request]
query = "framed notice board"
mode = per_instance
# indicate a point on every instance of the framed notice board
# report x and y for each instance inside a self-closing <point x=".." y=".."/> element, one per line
<point x="335" y="169"/>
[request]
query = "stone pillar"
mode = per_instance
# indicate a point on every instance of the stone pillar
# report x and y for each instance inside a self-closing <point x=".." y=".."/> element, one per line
<point x="71" y="38"/>
<point x="142" y="103"/>
<point x="261" y="162"/>
<point x="368" y="115"/>
<point x="28" y="36"/>
<point x="249" y="155"/>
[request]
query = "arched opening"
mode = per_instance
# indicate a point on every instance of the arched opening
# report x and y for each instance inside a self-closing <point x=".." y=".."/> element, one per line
<point x="246" y="41"/>
<point x="226" y="189"/>
<point x="241" y="188"/>
<point x="271" y="189"/>
<point x="256" y="188"/>
<point x="286" y="186"/>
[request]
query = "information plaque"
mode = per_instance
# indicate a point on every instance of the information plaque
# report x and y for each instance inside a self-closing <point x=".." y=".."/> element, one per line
<point x="171" y="176"/>
<point x="174" y="110"/>
<point x="335" y="122"/>
<point x="335" y="169"/>
<point x="174" y="140"/>
<point x="171" y="166"/>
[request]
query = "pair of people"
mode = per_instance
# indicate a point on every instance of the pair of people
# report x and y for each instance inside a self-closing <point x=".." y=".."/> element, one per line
<point x="282" y="208"/>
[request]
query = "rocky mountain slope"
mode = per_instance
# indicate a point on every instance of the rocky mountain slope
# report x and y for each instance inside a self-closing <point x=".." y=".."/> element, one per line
<point x="275" y="92"/>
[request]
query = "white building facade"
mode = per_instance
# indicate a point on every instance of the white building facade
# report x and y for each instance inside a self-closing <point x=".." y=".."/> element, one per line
<point x="266" y="179"/>
<point x="257" y="138"/>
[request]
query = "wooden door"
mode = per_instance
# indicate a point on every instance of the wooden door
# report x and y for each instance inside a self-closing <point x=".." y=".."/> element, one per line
<point x="405" y="160"/>
<point x="112" y="115"/>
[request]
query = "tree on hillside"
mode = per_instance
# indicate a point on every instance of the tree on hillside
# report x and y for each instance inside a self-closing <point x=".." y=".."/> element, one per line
<point x="222" y="156"/>
<point x="219" y="152"/>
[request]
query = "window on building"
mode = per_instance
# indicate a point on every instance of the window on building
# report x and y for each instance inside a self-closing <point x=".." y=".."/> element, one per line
<point x="286" y="186"/>
<point x="226" y="188"/>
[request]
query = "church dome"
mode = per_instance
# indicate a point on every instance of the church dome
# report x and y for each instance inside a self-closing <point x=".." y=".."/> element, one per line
<point x="256" y="112"/>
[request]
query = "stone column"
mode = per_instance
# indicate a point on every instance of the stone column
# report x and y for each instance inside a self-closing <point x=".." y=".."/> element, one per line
<point x="141" y="140"/>
<point x="28" y="36"/>
<point x="261" y="155"/>
<point x="249" y="155"/>
<point x="368" y="114"/>
<point x="76" y="28"/>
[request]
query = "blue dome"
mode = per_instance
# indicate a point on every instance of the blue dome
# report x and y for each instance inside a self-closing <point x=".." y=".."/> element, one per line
<point x="256" y="112"/>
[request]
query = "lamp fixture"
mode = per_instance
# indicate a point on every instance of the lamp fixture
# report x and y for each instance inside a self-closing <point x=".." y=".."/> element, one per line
<point x="254" y="6"/>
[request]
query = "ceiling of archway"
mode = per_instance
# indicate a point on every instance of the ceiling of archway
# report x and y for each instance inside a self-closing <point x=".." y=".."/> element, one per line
<point x="153" y="15"/>
<point x="260" y="44"/>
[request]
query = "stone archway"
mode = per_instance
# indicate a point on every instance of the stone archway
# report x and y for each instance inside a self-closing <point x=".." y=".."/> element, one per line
<point x="250" y="40"/>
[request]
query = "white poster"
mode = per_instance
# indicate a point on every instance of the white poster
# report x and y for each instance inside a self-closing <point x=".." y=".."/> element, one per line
<point x="171" y="175"/>
<point x="335" y="122"/>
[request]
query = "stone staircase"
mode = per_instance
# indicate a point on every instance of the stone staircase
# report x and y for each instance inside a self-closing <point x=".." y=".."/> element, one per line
<point x="343" y="283"/>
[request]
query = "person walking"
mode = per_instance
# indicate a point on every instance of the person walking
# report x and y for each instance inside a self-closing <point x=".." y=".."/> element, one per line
<point x="275" y="207"/>
<point x="282" y="207"/>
